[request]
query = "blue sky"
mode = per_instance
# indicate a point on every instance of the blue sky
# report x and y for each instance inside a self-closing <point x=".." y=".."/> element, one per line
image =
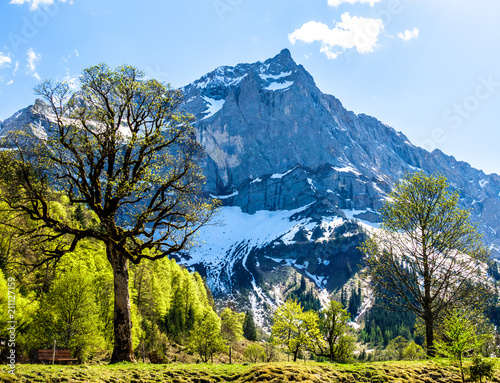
<point x="430" y="69"/>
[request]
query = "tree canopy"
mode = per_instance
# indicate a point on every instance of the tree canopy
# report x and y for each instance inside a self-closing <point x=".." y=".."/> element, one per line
<point x="337" y="342"/>
<point x="119" y="147"/>
<point x="428" y="256"/>
<point x="294" y="328"/>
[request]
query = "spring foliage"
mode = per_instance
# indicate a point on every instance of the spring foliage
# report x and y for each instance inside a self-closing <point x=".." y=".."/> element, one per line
<point x="72" y="302"/>
<point x="428" y="255"/>
<point x="121" y="148"/>
<point x="326" y="333"/>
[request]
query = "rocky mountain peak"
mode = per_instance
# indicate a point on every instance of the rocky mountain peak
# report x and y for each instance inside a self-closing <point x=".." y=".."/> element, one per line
<point x="27" y="119"/>
<point x="275" y="141"/>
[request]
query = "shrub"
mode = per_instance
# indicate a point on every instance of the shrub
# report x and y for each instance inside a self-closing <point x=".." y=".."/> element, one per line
<point x="481" y="368"/>
<point x="253" y="353"/>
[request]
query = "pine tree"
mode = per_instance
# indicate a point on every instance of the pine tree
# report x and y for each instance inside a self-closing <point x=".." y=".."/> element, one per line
<point x="302" y="284"/>
<point x="249" y="329"/>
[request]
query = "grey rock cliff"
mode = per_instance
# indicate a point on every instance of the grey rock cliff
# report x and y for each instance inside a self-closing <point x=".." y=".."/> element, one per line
<point x="258" y="121"/>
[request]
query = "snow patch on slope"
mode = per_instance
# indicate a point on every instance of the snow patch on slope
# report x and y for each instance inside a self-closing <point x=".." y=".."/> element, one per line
<point x="347" y="169"/>
<point x="236" y="234"/>
<point x="279" y="86"/>
<point x="281" y="175"/>
<point x="205" y="81"/>
<point x="213" y="106"/>
<point x="275" y="76"/>
<point x="233" y="194"/>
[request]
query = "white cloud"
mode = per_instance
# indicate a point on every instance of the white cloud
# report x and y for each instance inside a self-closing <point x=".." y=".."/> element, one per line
<point x="10" y="82"/>
<point x="72" y="81"/>
<point x="351" y="32"/>
<point x="4" y="60"/>
<point x="67" y="58"/>
<point x="336" y="3"/>
<point x="33" y="59"/>
<point x="408" y="35"/>
<point x="35" y="4"/>
<point x="16" y="68"/>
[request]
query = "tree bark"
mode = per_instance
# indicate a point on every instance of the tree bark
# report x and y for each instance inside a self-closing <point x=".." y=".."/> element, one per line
<point x="123" y="350"/>
<point x="429" y="333"/>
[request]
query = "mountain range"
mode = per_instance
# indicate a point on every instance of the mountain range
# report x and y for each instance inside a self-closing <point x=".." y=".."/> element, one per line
<point x="301" y="180"/>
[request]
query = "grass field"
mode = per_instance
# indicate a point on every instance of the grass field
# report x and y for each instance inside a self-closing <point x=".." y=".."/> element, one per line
<point x="421" y="371"/>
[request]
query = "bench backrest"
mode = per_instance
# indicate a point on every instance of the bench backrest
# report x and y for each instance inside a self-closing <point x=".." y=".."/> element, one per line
<point x="47" y="354"/>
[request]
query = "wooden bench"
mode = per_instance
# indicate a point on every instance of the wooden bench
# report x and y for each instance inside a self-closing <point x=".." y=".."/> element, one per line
<point x="45" y="356"/>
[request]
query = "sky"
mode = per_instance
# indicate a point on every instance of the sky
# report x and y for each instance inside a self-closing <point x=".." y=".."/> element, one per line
<point x="428" y="68"/>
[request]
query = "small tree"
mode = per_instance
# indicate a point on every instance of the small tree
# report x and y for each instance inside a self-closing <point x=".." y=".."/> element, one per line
<point x="413" y="351"/>
<point x="119" y="147"/>
<point x="68" y="314"/>
<point x="428" y="254"/>
<point x="459" y="337"/>
<point x="249" y="329"/>
<point x="396" y="347"/>
<point x="253" y="353"/>
<point x="336" y="342"/>
<point x="481" y="368"/>
<point x="270" y="351"/>
<point x="206" y="338"/>
<point x="231" y="325"/>
<point x="294" y="328"/>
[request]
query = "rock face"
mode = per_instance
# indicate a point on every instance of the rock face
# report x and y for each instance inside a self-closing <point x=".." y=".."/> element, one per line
<point x="301" y="180"/>
<point x="26" y="119"/>
<point x="275" y="141"/>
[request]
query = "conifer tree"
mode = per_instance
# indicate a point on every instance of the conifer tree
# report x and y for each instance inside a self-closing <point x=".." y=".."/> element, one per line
<point x="249" y="329"/>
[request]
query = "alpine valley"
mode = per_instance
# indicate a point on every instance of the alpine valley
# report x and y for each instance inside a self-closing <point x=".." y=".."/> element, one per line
<point x="301" y="181"/>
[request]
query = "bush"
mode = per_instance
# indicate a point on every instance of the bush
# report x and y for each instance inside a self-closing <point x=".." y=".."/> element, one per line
<point x="253" y="353"/>
<point x="413" y="351"/>
<point x="481" y="368"/>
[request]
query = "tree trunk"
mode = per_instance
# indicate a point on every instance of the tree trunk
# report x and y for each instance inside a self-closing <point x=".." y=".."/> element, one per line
<point x="427" y="303"/>
<point x="429" y="333"/>
<point x="461" y="368"/>
<point x="123" y="350"/>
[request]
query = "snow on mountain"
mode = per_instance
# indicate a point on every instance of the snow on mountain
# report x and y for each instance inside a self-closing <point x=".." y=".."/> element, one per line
<point x="228" y="247"/>
<point x="213" y="106"/>
<point x="283" y="144"/>
<point x="279" y="85"/>
<point x="301" y="179"/>
<point x="236" y="233"/>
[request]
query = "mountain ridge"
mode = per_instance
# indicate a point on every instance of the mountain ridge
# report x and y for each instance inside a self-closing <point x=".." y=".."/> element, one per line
<point x="377" y="150"/>
<point x="301" y="180"/>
